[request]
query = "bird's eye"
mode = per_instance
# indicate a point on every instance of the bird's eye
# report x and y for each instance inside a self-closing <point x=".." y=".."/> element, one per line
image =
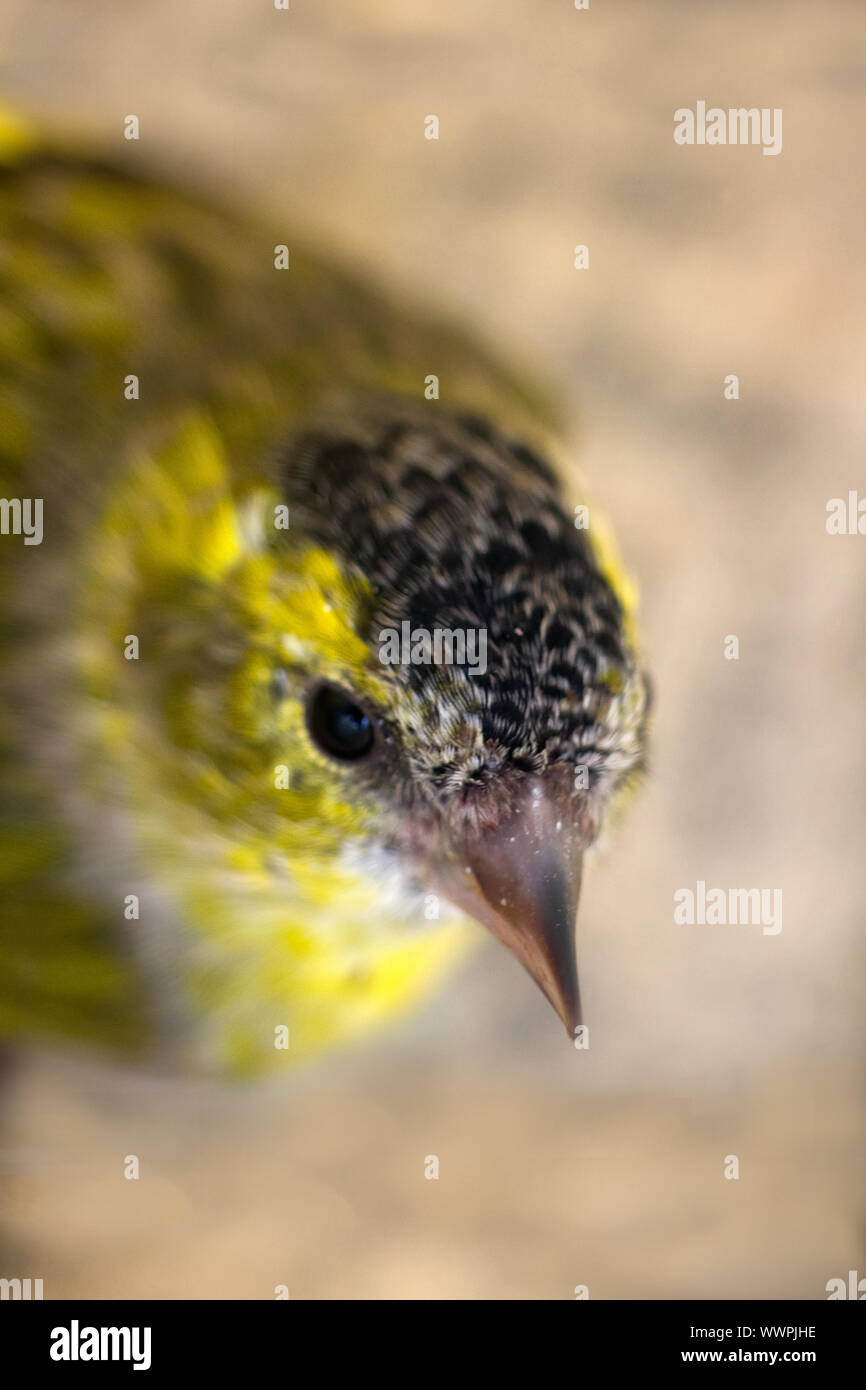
<point x="338" y="724"/>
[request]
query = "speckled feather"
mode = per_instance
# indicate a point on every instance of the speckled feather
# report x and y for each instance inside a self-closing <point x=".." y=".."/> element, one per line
<point x="456" y="525"/>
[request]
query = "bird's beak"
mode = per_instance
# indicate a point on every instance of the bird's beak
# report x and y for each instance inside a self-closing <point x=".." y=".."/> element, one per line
<point x="521" y="879"/>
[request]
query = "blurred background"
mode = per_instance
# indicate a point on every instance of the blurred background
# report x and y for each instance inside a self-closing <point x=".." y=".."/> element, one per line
<point x="557" y="1167"/>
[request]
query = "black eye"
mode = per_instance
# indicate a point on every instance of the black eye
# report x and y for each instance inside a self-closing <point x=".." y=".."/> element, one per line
<point x="339" y="726"/>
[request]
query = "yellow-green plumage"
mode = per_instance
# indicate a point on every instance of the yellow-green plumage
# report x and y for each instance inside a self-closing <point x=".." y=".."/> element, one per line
<point x="261" y="904"/>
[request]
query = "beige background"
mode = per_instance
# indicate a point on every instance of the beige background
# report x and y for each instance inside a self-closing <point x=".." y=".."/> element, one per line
<point x="557" y="1168"/>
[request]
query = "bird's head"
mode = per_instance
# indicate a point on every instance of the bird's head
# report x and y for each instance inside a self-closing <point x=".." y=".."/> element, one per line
<point x="397" y="667"/>
<point x="490" y="705"/>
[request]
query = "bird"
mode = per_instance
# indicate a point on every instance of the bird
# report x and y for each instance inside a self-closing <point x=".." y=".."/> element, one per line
<point x="232" y="836"/>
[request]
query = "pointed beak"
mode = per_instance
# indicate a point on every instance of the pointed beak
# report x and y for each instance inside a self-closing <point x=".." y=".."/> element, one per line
<point x="521" y="879"/>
